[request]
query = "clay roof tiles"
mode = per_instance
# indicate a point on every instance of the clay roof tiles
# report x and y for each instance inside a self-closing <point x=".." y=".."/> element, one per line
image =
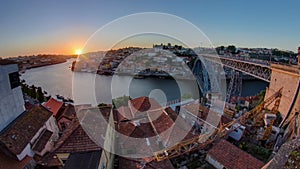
<point x="53" y="105"/>
<point x="7" y="162"/>
<point x="231" y="156"/>
<point x="20" y="132"/>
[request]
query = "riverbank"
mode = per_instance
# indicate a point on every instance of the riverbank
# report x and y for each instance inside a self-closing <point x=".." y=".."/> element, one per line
<point x="36" y="61"/>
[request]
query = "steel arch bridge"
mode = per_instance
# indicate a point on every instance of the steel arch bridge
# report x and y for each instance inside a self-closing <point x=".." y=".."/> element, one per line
<point x="201" y="70"/>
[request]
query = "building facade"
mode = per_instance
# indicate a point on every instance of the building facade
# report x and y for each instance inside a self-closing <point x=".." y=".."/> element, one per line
<point x="11" y="100"/>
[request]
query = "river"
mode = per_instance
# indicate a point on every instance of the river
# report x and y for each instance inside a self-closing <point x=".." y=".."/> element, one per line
<point x="93" y="89"/>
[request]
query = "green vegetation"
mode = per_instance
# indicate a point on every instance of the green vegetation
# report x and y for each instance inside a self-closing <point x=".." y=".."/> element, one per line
<point x="295" y="153"/>
<point x="186" y="96"/>
<point x="121" y="101"/>
<point x="259" y="152"/>
<point x="277" y="52"/>
<point x="293" y="160"/>
<point x="231" y="49"/>
<point x="261" y="97"/>
<point x="34" y="92"/>
<point x="39" y="95"/>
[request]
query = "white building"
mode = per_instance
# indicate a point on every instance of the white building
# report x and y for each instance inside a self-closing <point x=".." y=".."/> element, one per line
<point x="32" y="133"/>
<point x="22" y="133"/>
<point x="11" y="100"/>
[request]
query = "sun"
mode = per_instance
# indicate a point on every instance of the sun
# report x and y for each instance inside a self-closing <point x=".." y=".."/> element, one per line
<point x="78" y="52"/>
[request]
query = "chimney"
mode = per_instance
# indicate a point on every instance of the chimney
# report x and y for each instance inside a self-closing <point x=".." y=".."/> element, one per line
<point x="298" y="55"/>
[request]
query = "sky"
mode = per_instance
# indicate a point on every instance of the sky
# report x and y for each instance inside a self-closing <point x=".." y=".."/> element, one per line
<point x="61" y="27"/>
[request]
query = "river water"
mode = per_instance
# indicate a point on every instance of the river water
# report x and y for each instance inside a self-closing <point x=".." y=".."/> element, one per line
<point x="88" y="88"/>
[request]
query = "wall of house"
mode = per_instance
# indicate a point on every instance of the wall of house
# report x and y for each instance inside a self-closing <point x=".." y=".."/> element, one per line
<point x="11" y="100"/>
<point x="51" y="125"/>
<point x="47" y="148"/>
<point x="287" y="77"/>
<point x="213" y="162"/>
<point x="107" y="158"/>
<point x="26" y="151"/>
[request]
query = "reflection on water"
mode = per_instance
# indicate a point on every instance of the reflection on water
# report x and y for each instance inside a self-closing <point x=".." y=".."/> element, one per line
<point x="92" y="88"/>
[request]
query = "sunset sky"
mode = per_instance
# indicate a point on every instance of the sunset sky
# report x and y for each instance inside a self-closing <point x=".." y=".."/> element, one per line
<point x="62" y="27"/>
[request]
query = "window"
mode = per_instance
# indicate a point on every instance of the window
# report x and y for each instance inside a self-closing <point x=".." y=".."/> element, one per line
<point x="14" y="80"/>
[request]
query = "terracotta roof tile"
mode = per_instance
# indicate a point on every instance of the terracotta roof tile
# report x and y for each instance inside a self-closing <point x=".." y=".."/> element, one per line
<point x="53" y="105"/>
<point x="75" y="140"/>
<point x="20" y="132"/>
<point x="9" y="163"/>
<point x="173" y="115"/>
<point x="225" y="120"/>
<point x="144" y="130"/>
<point x="69" y="112"/>
<point x="140" y="104"/>
<point x="125" y="128"/>
<point x="162" y="124"/>
<point x="231" y="156"/>
<point x="124" y="113"/>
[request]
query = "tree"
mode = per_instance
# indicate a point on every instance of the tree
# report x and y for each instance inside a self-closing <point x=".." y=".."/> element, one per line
<point x="261" y="96"/>
<point x="121" y="101"/>
<point x="222" y="47"/>
<point x="186" y="96"/>
<point x="40" y="95"/>
<point x="25" y="88"/>
<point x="231" y="48"/>
<point x="32" y="91"/>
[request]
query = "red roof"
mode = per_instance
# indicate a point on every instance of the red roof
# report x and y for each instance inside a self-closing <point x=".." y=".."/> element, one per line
<point x="21" y="131"/>
<point x="140" y="104"/>
<point x="77" y="141"/>
<point x="73" y="140"/>
<point x="231" y="156"/>
<point x="163" y="124"/>
<point x="53" y="105"/>
<point x="124" y="113"/>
